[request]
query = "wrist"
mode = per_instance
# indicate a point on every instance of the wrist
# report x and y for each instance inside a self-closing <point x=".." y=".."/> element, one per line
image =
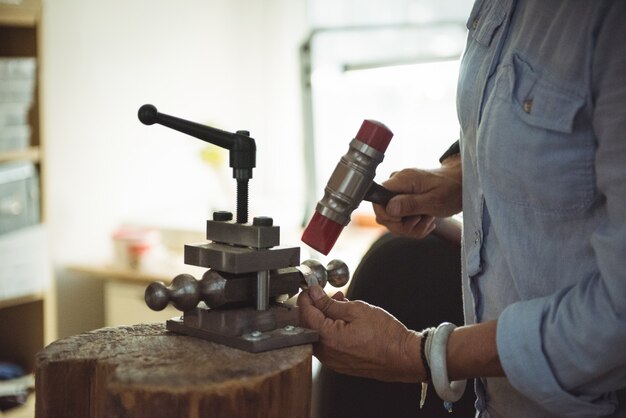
<point x="472" y="352"/>
<point x="415" y="371"/>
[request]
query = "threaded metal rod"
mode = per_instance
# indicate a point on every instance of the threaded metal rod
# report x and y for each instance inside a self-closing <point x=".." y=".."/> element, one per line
<point x="242" y="201"/>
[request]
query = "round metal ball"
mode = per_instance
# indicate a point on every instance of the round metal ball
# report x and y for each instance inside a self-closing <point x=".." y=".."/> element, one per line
<point x="338" y="273"/>
<point x="185" y="292"/>
<point x="156" y="296"/>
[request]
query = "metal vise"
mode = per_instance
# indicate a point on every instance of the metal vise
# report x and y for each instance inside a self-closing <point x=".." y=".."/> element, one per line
<point x="238" y="301"/>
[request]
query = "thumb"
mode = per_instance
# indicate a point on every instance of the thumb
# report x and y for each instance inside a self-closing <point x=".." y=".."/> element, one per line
<point x="332" y="308"/>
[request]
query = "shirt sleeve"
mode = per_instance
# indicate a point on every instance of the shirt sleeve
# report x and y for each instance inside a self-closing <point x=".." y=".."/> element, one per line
<point x="567" y="351"/>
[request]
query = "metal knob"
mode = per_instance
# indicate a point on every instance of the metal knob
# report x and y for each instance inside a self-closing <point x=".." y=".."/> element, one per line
<point x="313" y="272"/>
<point x="316" y="273"/>
<point x="183" y="293"/>
<point x="338" y="273"/>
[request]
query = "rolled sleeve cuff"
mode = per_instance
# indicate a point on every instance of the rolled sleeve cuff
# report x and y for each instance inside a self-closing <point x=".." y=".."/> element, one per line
<point x="519" y="342"/>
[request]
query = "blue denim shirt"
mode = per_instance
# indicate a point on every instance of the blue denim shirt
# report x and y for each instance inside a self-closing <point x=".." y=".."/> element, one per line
<point x="542" y="108"/>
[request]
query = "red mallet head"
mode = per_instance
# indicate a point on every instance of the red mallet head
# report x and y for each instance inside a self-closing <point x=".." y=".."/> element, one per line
<point x="347" y="187"/>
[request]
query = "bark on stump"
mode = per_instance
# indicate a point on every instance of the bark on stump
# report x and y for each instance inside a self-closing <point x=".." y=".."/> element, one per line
<point x="145" y="371"/>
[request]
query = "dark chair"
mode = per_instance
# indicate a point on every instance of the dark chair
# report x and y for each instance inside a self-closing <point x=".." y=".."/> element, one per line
<point x="419" y="282"/>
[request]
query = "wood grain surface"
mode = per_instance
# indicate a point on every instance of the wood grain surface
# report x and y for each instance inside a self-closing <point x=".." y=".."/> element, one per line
<point x="146" y="371"/>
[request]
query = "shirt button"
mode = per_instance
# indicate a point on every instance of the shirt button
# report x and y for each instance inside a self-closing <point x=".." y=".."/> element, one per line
<point x="476" y="237"/>
<point x="527" y="105"/>
<point x="475" y="23"/>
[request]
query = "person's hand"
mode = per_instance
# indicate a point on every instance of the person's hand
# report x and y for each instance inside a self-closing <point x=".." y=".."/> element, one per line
<point x="359" y="339"/>
<point x="423" y="196"/>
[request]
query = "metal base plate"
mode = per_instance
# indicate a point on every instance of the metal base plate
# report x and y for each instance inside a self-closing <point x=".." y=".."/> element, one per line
<point x="245" y="329"/>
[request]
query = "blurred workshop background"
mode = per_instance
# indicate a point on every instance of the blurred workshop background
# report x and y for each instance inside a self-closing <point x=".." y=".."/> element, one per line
<point x="94" y="205"/>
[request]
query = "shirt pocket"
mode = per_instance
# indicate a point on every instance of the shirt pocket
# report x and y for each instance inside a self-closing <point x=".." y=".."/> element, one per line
<point x="535" y="153"/>
<point x="484" y="20"/>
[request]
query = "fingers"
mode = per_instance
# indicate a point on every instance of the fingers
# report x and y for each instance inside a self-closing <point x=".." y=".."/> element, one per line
<point x="417" y="226"/>
<point x="310" y="316"/>
<point x="433" y="192"/>
<point x="332" y="308"/>
<point x="382" y="217"/>
<point x="410" y="204"/>
<point x="408" y="180"/>
<point x="340" y="296"/>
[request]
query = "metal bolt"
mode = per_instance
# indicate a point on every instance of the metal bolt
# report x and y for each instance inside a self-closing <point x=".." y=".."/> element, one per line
<point x="262" y="221"/>
<point x="291" y="330"/>
<point x="254" y="336"/>
<point x="222" y="216"/>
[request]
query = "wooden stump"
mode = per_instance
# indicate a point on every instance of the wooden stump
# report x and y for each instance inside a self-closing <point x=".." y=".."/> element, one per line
<point x="146" y="371"/>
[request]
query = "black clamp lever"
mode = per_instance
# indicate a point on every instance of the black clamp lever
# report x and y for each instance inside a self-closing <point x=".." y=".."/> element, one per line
<point x="242" y="149"/>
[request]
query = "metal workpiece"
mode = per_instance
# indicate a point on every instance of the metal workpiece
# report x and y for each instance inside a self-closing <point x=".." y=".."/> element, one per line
<point x="350" y="181"/>
<point x="313" y="272"/>
<point x="183" y="293"/>
<point x="218" y="289"/>
<point x="257" y="236"/>
<point x="308" y="278"/>
<point x="338" y="273"/>
<point x="233" y="259"/>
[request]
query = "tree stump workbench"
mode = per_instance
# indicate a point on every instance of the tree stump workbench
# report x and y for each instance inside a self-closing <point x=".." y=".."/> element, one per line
<point x="145" y="371"/>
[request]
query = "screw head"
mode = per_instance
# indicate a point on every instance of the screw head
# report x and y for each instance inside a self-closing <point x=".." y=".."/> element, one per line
<point x="222" y="216"/>
<point x="291" y="330"/>
<point x="255" y="336"/>
<point x="262" y="221"/>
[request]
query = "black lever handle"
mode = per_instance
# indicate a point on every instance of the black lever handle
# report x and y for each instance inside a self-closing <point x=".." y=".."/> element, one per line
<point x="242" y="155"/>
<point x="148" y="115"/>
<point x="242" y="148"/>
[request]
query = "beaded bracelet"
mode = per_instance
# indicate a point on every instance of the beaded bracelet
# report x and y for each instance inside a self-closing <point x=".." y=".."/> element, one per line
<point x="425" y="335"/>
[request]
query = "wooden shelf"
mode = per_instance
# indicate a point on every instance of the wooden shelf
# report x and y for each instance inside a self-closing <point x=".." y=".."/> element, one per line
<point x="111" y="272"/>
<point x="21" y="300"/>
<point x="118" y="273"/>
<point x="27" y="322"/>
<point x="30" y="154"/>
<point x="23" y="14"/>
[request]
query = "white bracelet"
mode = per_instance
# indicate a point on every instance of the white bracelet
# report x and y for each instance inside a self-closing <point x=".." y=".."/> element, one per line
<point x="436" y="352"/>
